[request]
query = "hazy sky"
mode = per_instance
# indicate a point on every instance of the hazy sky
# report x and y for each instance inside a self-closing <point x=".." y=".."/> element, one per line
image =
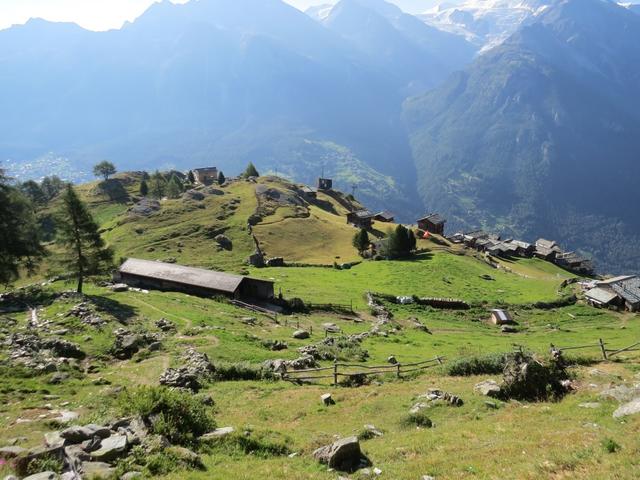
<point x="106" y="14"/>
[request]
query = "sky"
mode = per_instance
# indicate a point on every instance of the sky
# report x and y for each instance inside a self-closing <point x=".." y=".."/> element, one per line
<point x="107" y="14"/>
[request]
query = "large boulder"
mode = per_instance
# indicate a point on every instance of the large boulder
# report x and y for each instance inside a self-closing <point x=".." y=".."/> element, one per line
<point x="224" y="242"/>
<point x="343" y="455"/>
<point x="78" y="434"/>
<point x="111" y="448"/>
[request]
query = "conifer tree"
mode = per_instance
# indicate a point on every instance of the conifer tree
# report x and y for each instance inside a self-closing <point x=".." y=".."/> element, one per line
<point x="251" y="171"/>
<point x="191" y="177"/>
<point x="361" y="240"/>
<point x="84" y="251"/>
<point x="221" y="178"/>
<point x="19" y="234"/>
<point x="158" y="185"/>
<point x="174" y="187"/>
<point x="144" y="188"/>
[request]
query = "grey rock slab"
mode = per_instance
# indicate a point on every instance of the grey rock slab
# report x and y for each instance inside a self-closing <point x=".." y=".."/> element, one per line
<point x="43" y="476"/>
<point x="488" y="388"/>
<point x="11" y="451"/>
<point x="218" y="433"/>
<point x="630" y="408"/>
<point x="111" y="448"/>
<point x="343" y="454"/>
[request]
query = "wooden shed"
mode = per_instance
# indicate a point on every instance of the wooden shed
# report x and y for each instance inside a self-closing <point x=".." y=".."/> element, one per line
<point x="432" y="223"/>
<point x="194" y="281"/>
<point x="360" y="219"/>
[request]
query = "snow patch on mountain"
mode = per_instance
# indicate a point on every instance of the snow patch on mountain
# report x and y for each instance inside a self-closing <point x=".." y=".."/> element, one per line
<point x="485" y="23"/>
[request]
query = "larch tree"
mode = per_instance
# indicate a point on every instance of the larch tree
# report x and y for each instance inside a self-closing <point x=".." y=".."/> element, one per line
<point x="20" y="247"/>
<point x="83" y="249"/>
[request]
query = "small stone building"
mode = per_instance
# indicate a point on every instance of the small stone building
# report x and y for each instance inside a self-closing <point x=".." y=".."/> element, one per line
<point x="206" y="176"/>
<point x="194" y="281"/>
<point x="360" y="219"/>
<point x="432" y="223"/>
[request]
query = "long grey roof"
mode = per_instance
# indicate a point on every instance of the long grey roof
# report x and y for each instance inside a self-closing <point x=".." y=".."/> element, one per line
<point x="601" y="295"/>
<point x="197" y="277"/>
<point x="628" y="289"/>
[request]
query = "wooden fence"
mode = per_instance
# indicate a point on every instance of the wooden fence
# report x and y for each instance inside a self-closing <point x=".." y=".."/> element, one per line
<point x="607" y="353"/>
<point x="255" y="308"/>
<point x="350" y="370"/>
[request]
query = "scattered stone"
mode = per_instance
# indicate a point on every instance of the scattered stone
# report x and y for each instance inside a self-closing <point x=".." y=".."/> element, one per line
<point x="165" y="325"/>
<point x="592" y="405"/>
<point x="120" y="287"/>
<point x="373" y="431"/>
<point x="331" y="328"/>
<point x="327" y="399"/>
<point x="57" y="378"/>
<point x="111" y="448"/>
<point x="145" y="207"/>
<point x="197" y="368"/>
<point x="435" y="396"/>
<point x="131" y="475"/>
<point x="392" y="360"/>
<point x="630" y="408"/>
<point x="217" y="434"/>
<point x="488" y="388"/>
<point x="80" y="434"/>
<point x="11" y="451"/>
<point x="621" y="393"/>
<point x="224" y="242"/>
<point x="101" y="381"/>
<point x="43" y="476"/>
<point x="343" y="455"/>
<point x="249" y="320"/>
<point x="301" y="334"/>
<point x="428" y="477"/>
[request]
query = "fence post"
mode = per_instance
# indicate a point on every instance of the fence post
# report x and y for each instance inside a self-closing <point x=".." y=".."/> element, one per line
<point x="298" y="323"/>
<point x="439" y="359"/>
<point x="398" y="365"/>
<point x="311" y="330"/>
<point x="335" y="373"/>
<point x="604" y="351"/>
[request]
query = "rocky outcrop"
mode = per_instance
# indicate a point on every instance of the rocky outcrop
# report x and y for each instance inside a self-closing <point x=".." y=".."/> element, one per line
<point x="196" y="369"/>
<point x="343" y="455"/>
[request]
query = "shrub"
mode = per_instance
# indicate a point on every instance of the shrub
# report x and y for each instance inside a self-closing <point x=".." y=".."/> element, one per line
<point x="418" y="419"/>
<point x="177" y="415"/>
<point x="610" y="446"/>
<point x="241" y="371"/>
<point x="262" y="445"/>
<point x="490" y="364"/>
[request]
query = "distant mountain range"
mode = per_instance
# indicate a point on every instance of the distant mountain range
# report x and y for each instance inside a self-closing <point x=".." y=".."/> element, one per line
<point x="514" y="115"/>
<point x="541" y="135"/>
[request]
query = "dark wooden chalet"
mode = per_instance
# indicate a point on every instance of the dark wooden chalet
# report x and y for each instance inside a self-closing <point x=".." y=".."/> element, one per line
<point x="325" y="184"/>
<point x="432" y="223"/>
<point x="360" y="218"/>
<point x="385" y="217"/>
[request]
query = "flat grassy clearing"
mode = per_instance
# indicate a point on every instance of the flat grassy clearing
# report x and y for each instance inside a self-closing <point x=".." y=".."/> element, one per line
<point x="436" y="274"/>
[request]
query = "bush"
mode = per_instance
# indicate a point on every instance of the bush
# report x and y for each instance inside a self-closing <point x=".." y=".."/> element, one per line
<point x="262" y="445"/>
<point x="227" y="371"/>
<point x="610" y="446"/>
<point x="177" y="415"/>
<point x="490" y="364"/>
<point x="418" y="419"/>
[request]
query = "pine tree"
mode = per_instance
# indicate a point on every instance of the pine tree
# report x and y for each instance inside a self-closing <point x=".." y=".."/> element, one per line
<point x="158" y="185"/>
<point x="84" y="250"/>
<point x="19" y="234"/>
<point x="361" y="240"/>
<point x="174" y="187"/>
<point x="221" y="178"/>
<point x="191" y="177"/>
<point x="399" y="242"/>
<point x="144" y="188"/>
<point x="251" y="171"/>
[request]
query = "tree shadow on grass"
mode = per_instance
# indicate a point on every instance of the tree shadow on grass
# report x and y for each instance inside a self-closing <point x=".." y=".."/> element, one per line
<point x="122" y="312"/>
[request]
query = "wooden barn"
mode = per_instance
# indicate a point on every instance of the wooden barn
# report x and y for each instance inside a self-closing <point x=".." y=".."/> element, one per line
<point x="360" y="219"/>
<point x="205" y="176"/>
<point x="194" y="281"/>
<point x="385" y="217"/>
<point x="432" y="223"/>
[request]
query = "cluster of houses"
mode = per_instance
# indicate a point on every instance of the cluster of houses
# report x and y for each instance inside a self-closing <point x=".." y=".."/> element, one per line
<point x="619" y="292"/>
<point x="545" y="249"/>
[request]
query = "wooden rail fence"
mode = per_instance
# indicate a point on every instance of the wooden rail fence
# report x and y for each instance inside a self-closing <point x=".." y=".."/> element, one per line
<point x="607" y="353"/>
<point x="355" y="370"/>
